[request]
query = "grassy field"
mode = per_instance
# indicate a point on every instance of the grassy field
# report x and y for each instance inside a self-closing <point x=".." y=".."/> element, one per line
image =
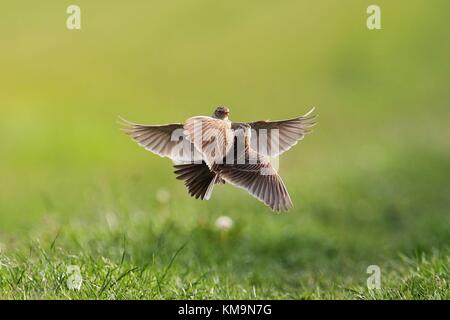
<point x="370" y="185"/>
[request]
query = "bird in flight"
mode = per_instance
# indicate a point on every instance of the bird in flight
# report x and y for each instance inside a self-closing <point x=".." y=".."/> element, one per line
<point x="214" y="150"/>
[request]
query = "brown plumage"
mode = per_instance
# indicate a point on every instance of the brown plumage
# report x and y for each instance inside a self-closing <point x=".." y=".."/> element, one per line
<point x="212" y="150"/>
<point x="198" y="179"/>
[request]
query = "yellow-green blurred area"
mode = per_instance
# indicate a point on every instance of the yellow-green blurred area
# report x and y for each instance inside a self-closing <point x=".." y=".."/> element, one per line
<point x="372" y="181"/>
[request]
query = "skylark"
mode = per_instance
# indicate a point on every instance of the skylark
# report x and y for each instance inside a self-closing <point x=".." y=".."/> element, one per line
<point x="213" y="150"/>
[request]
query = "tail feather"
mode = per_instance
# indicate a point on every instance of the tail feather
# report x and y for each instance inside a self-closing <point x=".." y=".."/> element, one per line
<point x="198" y="179"/>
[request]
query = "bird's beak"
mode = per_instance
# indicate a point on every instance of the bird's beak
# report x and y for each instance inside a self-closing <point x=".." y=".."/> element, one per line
<point x="227" y="112"/>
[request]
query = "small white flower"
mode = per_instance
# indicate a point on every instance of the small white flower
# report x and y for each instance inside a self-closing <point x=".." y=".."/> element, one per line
<point x="43" y="277"/>
<point x="163" y="196"/>
<point x="74" y="279"/>
<point x="179" y="282"/>
<point x="224" y="223"/>
<point x="111" y="220"/>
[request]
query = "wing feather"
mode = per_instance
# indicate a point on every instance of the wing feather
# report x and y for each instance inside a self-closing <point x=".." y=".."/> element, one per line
<point x="290" y="131"/>
<point x="166" y="140"/>
<point x="268" y="188"/>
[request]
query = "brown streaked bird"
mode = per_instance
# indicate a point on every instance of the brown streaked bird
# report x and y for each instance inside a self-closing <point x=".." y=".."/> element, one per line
<point x="213" y="150"/>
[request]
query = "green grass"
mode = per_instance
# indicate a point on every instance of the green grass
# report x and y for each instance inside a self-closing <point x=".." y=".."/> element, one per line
<point x="42" y="273"/>
<point x="370" y="185"/>
<point x="135" y="247"/>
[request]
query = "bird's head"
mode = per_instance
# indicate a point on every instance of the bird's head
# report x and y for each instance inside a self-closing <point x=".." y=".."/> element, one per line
<point x="221" y="113"/>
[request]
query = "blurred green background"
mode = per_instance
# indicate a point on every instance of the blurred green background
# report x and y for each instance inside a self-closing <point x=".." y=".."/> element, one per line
<point x="370" y="185"/>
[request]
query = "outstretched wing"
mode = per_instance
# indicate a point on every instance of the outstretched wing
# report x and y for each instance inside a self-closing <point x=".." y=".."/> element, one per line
<point x="260" y="179"/>
<point x="272" y="138"/>
<point x="213" y="138"/>
<point x="166" y="140"/>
